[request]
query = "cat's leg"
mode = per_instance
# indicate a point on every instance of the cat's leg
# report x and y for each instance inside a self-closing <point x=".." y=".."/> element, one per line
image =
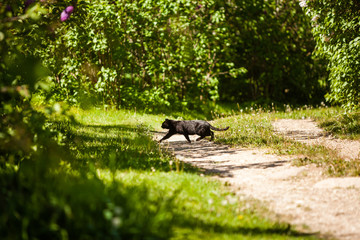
<point x="212" y="135"/>
<point x="169" y="134"/>
<point x="187" y="137"/>
<point x="201" y="137"/>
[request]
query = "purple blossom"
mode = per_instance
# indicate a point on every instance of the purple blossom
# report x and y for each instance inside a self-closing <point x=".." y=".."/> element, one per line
<point x="69" y="9"/>
<point x="64" y="16"/>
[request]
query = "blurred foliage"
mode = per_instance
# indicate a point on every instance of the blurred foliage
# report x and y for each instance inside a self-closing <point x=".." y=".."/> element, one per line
<point x="22" y="133"/>
<point x="69" y="207"/>
<point x="336" y="31"/>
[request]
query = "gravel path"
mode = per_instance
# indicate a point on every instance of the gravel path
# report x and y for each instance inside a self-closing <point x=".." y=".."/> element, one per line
<point x="302" y="196"/>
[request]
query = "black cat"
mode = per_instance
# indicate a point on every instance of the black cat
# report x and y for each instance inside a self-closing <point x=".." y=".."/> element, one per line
<point x="191" y="127"/>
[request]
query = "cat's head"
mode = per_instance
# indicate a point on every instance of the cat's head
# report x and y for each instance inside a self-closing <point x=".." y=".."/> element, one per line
<point x="166" y="124"/>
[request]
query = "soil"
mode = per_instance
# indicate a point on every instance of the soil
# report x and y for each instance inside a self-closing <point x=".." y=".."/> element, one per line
<point x="302" y="196"/>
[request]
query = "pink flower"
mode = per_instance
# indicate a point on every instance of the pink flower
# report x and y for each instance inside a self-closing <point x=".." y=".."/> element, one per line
<point x="69" y="9"/>
<point x="64" y="16"/>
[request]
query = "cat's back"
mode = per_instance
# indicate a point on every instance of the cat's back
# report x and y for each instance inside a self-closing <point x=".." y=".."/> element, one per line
<point x="196" y="125"/>
<point x="190" y="126"/>
<point x="200" y="122"/>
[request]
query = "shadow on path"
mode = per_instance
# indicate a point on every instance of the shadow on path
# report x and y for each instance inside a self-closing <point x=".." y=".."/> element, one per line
<point x="218" y="159"/>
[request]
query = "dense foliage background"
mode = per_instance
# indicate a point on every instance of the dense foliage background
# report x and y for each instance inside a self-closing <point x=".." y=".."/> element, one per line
<point x="136" y="53"/>
<point x="151" y="54"/>
<point x="336" y="31"/>
<point x="273" y="43"/>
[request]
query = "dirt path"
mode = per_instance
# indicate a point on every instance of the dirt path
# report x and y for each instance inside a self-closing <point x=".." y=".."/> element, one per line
<point x="306" y="131"/>
<point x="302" y="196"/>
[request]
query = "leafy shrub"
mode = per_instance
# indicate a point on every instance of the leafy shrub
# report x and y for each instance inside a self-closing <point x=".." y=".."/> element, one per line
<point x="335" y="27"/>
<point x="272" y="41"/>
<point x="143" y="53"/>
<point x="22" y="132"/>
<point x="153" y="54"/>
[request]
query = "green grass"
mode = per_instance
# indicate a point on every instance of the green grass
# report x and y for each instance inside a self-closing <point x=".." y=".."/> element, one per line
<point x="202" y="208"/>
<point x="110" y="180"/>
<point x="142" y="191"/>
<point x="252" y="128"/>
<point x="117" y="143"/>
<point x="102" y="176"/>
<point x="343" y="125"/>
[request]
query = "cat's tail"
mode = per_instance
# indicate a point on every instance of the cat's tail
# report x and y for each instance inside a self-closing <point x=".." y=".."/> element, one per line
<point x="219" y="129"/>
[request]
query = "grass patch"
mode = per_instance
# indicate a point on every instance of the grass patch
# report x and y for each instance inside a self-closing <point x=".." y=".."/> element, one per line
<point x="114" y="182"/>
<point x="252" y="128"/>
<point x="343" y="125"/>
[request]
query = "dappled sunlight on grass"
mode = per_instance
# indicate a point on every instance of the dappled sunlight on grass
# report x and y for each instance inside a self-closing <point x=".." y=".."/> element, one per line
<point x="202" y="207"/>
<point x="116" y="147"/>
<point x="104" y="117"/>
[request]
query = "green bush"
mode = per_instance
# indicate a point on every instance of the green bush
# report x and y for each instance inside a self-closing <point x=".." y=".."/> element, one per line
<point x="135" y="53"/>
<point x="156" y="54"/>
<point x="336" y="30"/>
<point x="272" y="42"/>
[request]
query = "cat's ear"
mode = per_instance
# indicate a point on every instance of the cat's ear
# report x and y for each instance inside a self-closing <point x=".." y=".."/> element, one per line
<point x="166" y="119"/>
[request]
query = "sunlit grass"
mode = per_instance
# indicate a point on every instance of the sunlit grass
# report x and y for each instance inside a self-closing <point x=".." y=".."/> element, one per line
<point x="116" y="145"/>
<point x="116" y="182"/>
<point x="203" y="208"/>
<point x="101" y="116"/>
<point x="343" y="125"/>
<point x="119" y="183"/>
